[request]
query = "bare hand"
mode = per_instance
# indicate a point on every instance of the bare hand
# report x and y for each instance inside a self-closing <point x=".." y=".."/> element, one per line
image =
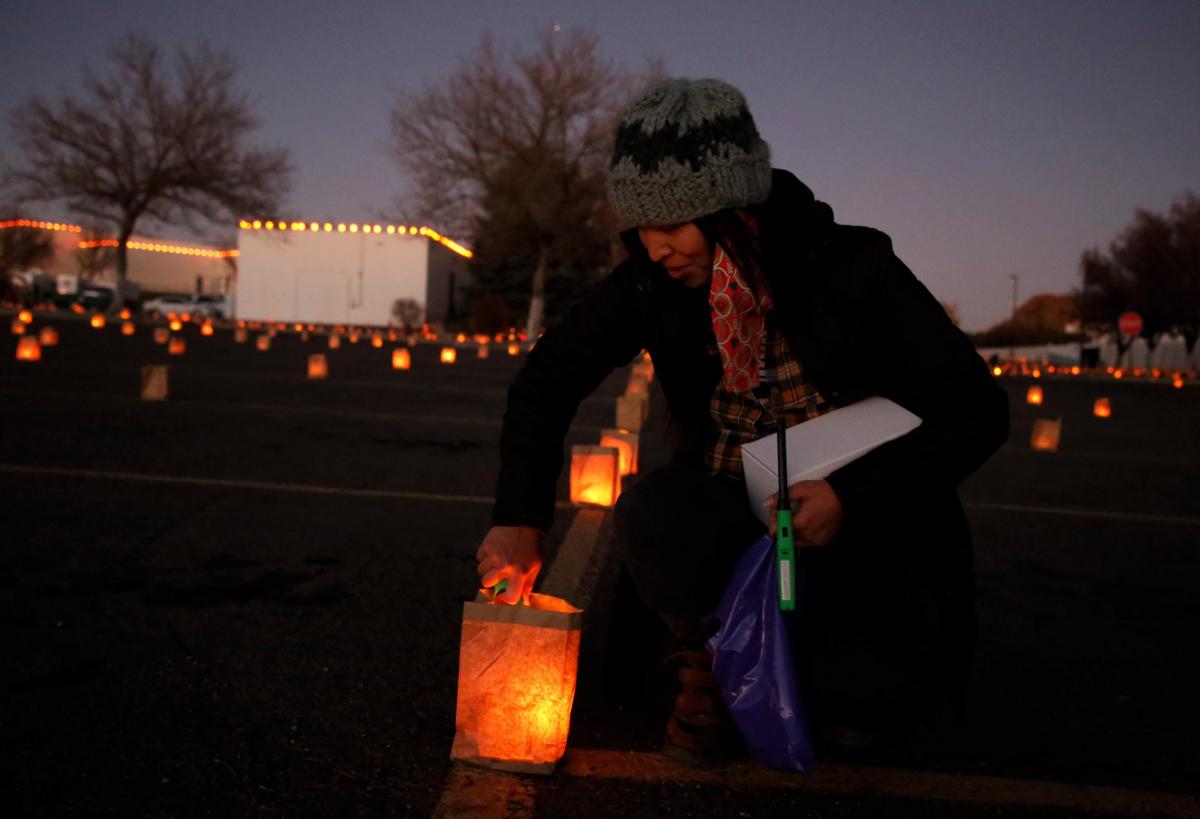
<point x="512" y="553"/>
<point x="816" y="512"/>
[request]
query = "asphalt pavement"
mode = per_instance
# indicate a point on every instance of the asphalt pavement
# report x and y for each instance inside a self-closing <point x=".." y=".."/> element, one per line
<point x="246" y="599"/>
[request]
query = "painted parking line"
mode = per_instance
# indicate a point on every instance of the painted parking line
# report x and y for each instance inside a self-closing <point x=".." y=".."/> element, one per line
<point x="852" y="780"/>
<point x="259" y="486"/>
<point x="1098" y="514"/>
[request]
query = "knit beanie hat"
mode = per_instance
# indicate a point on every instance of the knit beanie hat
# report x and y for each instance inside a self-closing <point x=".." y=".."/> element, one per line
<point x="684" y="149"/>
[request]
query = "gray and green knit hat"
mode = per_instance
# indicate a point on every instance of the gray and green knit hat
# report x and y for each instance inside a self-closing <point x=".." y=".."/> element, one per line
<point x="684" y="149"/>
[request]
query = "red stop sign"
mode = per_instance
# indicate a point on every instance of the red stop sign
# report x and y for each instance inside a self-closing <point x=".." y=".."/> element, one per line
<point x="1130" y="323"/>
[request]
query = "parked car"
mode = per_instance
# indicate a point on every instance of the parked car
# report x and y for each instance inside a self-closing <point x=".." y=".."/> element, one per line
<point x="160" y="306"/>
<point x="212" y="306"/>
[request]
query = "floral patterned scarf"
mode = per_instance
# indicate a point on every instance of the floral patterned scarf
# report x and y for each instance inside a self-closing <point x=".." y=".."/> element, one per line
<point x="739" y="322"/>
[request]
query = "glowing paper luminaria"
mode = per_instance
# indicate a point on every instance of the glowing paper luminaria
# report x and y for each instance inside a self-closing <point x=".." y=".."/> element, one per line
<point x="18" y="327"/>
<point x="318" y="367"/>
<point x="25" y="317"/>
<point x="240" y="335"/>
<point x="449" y="355"/>
<point x="516" y="683"/>
<point x="401" y="359"/>
<point x="1102" y="408"/>
<point x="1046" y="434"/>
<point x="28" y="349"/>
<point x="632" y="411"/>
<point x="1033" y="396"/>
<point x="206" y="329"/>
<point x="626" y="444"/>
<point x="154" y="382"/>
<point x="176" y="346"/>
<point x="98" y="321"/>
<point x="482" y="351"/>
<point x="48" y="337"/>
<point x="595" y="475"/>
<point x="127" y="328"/>
<point x="161" y="335"/>
<point x="335" y="341"/>
<point x="514" y="348"/>
<point x="263" y="342"/>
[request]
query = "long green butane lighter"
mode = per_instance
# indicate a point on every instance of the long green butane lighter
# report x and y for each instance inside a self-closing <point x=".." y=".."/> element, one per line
<point x="784" y="546"/>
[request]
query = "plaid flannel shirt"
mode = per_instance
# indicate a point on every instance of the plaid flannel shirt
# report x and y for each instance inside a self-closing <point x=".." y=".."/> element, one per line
<point x="741" y="417"/>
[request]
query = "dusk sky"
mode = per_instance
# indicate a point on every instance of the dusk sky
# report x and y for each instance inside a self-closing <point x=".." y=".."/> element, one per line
<point x="987" y="138"/>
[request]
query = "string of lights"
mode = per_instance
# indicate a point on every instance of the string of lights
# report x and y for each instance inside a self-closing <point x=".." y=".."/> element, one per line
<point x="343" y="227"/>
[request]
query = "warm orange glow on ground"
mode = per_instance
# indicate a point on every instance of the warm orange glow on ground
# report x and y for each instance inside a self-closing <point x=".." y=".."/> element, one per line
<point x="176" y="346"/>
<point x="449" y="355"/>
<point x="595" y="475"/>
<point x="176" y="325"/>
<point x="206" y="329"/>
<point x="318" y="368"/>
<point x="401" y="359"/>
<point x="240" y="333"/>
<point x="25" y="317"/>
<point x="17" y="327"/>
<point x="1177" y="382"/>
<point x="28" y="349"/>
<point x="1033" y="396"/>
<point x="1046" y="435"/>
<point x="377" y="341"/>
<point x="335" y="341"/>
<point x="626" y="444"/>
<point x="48" y="337"/>
<point x="1102" y="408"/>
<point x="516" y="683"/>
<point x="125" y="315"/>
<point x="161" y="335"/>
<point x="514" y="349"/>
<point x="127" y="328"/>
<point x="263" y="342"/>
<point x="98" y="321"/>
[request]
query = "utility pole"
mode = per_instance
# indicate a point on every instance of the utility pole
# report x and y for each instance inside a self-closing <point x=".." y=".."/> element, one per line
<point x="1012" y="322"/>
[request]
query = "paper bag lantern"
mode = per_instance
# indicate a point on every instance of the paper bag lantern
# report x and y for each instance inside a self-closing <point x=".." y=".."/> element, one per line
<point x="626" y="444"/>
<point x="48" y="337"/>
<point x="1177" y="382"/>
<point x="175" y="325"/>
<point x="125" y="315"/>
<point x="377" y="341"/>
<point x="25" y="317"/>
<point x="638" y="385"/>
<point x="516" y="683"/>
<point x="449" y="355"/>
<point x="1033" y="396"/>
<point x="632" y="411"/>
<point x="1046" y="434"/>
<point x="263" y="342"/>
<point x="335" y="341"/>
<point x="176" y="346"/>
<point x="154" y="382"/>
<point x="18" y="327"/>
<point x="401" y="359"/>
<point x="240" y="335"/>
<point x="318" y="367"/>
<point x="1102" y="408"/>
<point x="28" y="349"/>
<point x="482" y="352"/>
<point x="161" y="335"/>
<point x="595" y="476"/>
<point x="98" y="321"/>
<point x="206" y="329"/>
<point x="514" y="349"/>
<point x="127" y="328"/>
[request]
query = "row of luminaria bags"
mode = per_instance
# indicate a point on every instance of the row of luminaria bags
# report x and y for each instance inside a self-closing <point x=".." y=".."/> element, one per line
<point x="517" y="664"/>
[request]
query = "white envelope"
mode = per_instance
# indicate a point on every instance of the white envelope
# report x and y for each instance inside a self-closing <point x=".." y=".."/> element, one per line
<point x="817" y="447"/>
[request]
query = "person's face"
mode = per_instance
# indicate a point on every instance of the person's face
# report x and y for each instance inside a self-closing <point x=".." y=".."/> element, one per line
<point x="682" y="250"/>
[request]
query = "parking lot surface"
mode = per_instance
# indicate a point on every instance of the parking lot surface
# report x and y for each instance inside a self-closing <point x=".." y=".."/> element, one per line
<point x="246" y="599"/>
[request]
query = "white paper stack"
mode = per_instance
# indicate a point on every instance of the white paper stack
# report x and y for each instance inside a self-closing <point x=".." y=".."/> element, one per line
<point x="818" y="447"/>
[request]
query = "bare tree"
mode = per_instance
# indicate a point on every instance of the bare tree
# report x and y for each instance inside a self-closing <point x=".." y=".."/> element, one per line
<point x="97" y="250"/>
<point x="149" y="140"/>
<point x="514" y="143"/>
<point x="22" y="247"/>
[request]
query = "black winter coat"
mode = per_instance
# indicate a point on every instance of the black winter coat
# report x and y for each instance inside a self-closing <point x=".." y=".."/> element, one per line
<point x="854" y="316"/>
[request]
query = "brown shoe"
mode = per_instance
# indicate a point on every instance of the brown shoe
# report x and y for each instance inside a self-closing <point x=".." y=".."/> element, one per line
<point x="698" y="732"/>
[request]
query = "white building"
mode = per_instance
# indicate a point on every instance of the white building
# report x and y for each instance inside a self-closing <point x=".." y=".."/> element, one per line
<point x="329" y="273"/>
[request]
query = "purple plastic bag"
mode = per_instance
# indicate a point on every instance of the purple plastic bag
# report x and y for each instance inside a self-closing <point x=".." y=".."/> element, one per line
<point x="752" y="662"/>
